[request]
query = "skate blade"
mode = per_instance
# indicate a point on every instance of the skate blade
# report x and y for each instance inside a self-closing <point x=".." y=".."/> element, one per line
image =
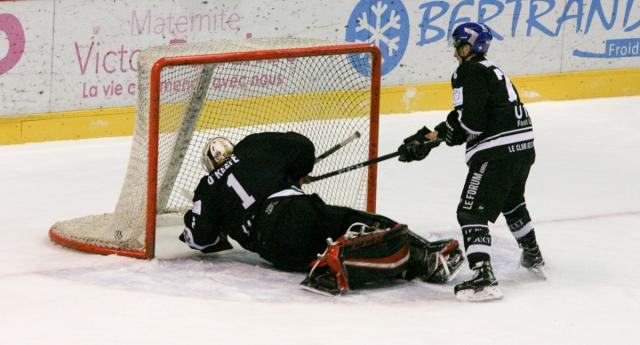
<point x="317" y="290"/>
<point x="537" y="271"/>
<point x="487" y="294"/>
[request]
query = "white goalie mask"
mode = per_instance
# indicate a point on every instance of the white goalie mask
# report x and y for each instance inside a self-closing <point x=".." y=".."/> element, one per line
<point x="215" y="152"/>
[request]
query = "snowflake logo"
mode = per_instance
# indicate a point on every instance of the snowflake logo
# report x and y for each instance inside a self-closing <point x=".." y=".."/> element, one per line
<point x="384" y="23"/>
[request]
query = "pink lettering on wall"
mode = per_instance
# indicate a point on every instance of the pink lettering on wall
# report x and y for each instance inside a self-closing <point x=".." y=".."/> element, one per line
<point x="220" y="18"/>
<point x="92" y="58"/>
<point x="11" y="26"/>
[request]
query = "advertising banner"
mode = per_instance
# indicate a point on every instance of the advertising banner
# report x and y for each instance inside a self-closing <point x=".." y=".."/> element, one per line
<point x="75" y="55"/>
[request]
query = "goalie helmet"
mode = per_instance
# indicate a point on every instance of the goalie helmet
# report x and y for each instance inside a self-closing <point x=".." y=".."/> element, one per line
<point x="216" y="151"/>
<point x="478" y="36"/>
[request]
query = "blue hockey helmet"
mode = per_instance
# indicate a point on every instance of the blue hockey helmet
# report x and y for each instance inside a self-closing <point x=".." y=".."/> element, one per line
<point x="478" y="36"/>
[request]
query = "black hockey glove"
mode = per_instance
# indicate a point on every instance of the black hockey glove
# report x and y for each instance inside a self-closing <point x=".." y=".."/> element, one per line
<point x="417" y="146"/>
<point x="450" y="130"/>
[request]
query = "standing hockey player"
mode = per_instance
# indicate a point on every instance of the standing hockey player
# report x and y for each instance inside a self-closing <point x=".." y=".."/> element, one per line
<point x="489" y="117"/>
<point x="253" y="194"/>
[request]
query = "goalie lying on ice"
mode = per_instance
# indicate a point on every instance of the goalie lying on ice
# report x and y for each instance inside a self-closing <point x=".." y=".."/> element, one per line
<point x="253" y="193"/>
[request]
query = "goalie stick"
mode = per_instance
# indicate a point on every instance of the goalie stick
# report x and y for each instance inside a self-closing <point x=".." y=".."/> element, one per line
<point x="337" y="147"/>
<point x="310" y="179"/>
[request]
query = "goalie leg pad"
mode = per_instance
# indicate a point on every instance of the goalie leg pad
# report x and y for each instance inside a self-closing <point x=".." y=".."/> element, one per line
<point x="363" y="255"/>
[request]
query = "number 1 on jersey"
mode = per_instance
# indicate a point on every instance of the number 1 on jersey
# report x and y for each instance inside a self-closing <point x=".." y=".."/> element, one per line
<point x="247" y="200"/>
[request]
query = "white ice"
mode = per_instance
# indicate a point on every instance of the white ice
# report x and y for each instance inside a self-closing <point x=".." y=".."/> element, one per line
<point x="583" y="194"/>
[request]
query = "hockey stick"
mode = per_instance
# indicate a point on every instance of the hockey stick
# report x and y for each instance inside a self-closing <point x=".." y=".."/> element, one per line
<point x="310" y="179"/>
<point x="337" y="147"/>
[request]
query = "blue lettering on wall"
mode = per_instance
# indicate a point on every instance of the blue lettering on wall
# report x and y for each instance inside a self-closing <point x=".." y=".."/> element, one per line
<point x="566" y="16"/>
<point x="516" y="15"/>
<point x="586" y="14"/>
<point x="386" y="22"/>
<point x="615" y="49"/>
<point x="596" y="7"/>
<point x="627" y="14"/>
<point x="482" y="14"/>
<point x="428" y="18"/>
<point x="534" y="15"/>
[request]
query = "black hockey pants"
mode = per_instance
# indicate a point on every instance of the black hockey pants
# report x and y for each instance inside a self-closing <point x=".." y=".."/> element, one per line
<point x="290" y="231"/>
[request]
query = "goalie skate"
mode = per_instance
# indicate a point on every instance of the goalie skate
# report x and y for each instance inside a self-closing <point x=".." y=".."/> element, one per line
<point x="445" y="261"/>
<point x="324" y="284"/>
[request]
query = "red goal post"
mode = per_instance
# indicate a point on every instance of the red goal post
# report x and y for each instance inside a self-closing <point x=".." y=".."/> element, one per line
<point x="320" y="110"/>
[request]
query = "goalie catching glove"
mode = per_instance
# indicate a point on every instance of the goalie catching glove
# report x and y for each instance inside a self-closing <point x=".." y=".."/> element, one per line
<point x="206" y="242"/>
<point x="220" y="244"/>
<point x="417" y="146"/>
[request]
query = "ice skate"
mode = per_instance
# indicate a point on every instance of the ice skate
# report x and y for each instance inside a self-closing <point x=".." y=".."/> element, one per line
<point x="531" y="258"/>
<point x="483" y="286"/>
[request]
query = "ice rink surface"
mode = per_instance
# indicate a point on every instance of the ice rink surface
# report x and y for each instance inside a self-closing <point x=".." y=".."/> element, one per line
<point x="583" y="195"/>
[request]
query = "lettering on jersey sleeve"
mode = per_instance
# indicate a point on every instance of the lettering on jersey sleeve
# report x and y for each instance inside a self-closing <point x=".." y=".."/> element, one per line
<point x="457" y="96"/>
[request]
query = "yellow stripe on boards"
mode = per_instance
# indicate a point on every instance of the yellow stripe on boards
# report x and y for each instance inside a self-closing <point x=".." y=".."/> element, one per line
<point x="271" y="109"/>
<point x="532" y="88"/>
<point x="68" y="125"/>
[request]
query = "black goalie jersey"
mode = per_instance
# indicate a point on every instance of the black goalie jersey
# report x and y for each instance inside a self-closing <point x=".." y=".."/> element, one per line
<point x="226" y="199"/>
<point x="489" y="109"/>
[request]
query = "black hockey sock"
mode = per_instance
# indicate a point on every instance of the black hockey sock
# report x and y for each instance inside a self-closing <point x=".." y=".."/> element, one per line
<point x="477" y="243"/>
<point x="529" y="241"/>
<point x="519" y="222"/>
<point x="477" y="240"/>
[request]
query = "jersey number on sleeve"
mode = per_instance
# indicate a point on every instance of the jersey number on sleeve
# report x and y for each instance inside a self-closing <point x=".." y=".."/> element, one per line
<point x="247" y="200"/>
<point x="513" y="96"/>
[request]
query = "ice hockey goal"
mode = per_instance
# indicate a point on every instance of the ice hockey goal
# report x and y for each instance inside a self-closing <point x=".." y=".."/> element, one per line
<point x="190" y="92"/>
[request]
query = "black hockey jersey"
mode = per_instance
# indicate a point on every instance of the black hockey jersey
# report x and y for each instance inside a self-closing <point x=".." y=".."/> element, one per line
<point x="489" y="110"/>
<point x="226" y="199"/>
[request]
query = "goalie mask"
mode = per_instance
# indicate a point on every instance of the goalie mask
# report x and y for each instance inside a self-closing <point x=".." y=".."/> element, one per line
<point x="216" y="151"/>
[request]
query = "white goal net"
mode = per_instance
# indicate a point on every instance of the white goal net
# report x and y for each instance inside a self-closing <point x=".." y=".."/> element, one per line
<point x="188" y="93"/>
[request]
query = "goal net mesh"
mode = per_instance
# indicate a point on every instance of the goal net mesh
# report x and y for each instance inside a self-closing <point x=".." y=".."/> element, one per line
<point x="325" y="97"/>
